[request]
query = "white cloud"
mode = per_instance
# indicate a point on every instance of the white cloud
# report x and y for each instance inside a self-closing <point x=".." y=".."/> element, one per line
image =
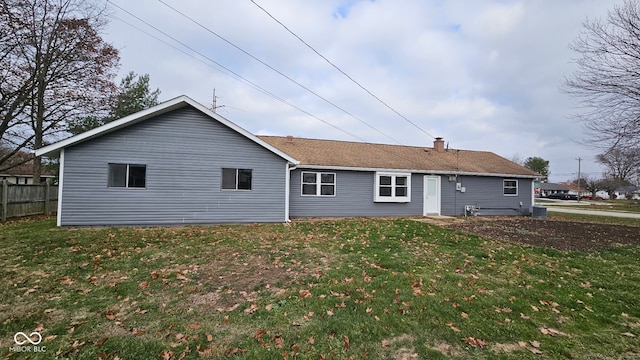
<point x="483" y="74"/>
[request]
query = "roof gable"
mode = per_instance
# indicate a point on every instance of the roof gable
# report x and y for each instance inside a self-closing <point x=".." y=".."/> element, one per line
<point x="165" y="107"/>
<point x="345" y="154"/>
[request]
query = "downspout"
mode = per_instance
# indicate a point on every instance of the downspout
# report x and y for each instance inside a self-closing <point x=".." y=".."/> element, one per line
<point x="287" y="191"/>
<point x="60" y="185"/>
<point x="533" y="195"/>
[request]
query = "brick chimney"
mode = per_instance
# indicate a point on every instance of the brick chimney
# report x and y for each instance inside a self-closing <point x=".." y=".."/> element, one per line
<point x="438" y="144"/>
<point x="289" y="139"/>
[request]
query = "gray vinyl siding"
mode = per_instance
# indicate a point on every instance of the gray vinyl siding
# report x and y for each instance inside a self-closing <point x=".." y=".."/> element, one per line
<point x="354" y="197"/>
<point x="184" y="152"/>
<point x="486" y="193"/>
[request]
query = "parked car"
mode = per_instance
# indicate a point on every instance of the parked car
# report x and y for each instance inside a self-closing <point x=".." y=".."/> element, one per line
<point x="589" y="197"/>
<point x="563" y="196"/>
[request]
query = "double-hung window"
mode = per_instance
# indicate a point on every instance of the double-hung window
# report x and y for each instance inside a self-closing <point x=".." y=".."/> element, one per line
<point x="510" y="187"/>
<point x="236" y="179"/>
<point x="127" y="175"/>
<point x="318" y="184"/>
<point x="392" y="187"/>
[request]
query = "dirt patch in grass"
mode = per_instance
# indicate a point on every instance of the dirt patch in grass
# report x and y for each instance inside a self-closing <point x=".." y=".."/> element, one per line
<point x="557" y="234"/>
<point x="239" y="280"/>
<point x="448" y="350"/>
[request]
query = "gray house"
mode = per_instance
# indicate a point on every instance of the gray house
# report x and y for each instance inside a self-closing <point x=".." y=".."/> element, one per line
<point x="178" y="162"/>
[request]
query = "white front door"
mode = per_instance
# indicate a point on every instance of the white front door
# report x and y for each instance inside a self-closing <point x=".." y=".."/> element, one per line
<point x="431" y="195"/>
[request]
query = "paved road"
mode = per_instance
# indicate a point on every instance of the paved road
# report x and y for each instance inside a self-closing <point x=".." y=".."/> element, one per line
<point x="594" y="212"/>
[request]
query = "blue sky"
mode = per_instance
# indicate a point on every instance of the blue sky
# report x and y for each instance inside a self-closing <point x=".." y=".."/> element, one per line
<point x="485" y="75"/>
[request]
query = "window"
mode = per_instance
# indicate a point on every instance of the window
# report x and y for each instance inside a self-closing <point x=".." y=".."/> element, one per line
<point x="236" y="179"/>
<point x="318" y="184"/>
<point x="127" y="175"/>
<point x="510" y="187"/>
<point x="392" y="187"/>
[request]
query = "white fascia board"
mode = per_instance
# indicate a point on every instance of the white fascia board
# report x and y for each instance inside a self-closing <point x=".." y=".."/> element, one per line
<point x="426" y="172"/>
<point x="159" y="109"/>
<point x="114" y="125"/>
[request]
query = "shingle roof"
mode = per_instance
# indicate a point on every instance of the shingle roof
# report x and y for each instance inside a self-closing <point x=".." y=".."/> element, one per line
<point x="328" y="153"/>
<point x="554" y="187"/>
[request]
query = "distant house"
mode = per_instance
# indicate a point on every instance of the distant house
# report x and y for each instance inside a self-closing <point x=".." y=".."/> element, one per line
<point x="23" y="174"/>
<point x="627" y="192"/>
<point x="178" y="162"/>
<point x="548" y="189"/>
<point x="575" y="190"/>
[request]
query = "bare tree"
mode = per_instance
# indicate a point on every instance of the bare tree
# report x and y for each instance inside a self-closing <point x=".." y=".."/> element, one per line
<point x="621" y="164"/>
<point x="607" y="80"/>
<point x="53" y="65"/>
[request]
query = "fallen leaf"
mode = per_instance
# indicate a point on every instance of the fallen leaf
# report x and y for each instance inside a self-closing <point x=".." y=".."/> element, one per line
<point x="65" y="281"/>
<point x="346" y="342"/>
<point x="475" y="342"/>
<point x="551" y="331"/>
<point x="628" y="334"/>
<point x="279" y="341"/>
<point x="166" y="354"/>
<point x="144" y="285"/>
<point x="258" y="334"/>
<point x="330" y="312"/>
<point x="385" y="343"/>
<point x="209" y="337"/>
<point x="534" y="343"/>
<point x="251" y="309"/>
<point x="535" y="351"/>
<point x="311" y="340"/>
<point x="305" y="293"/>
<point x="525" y="317"/>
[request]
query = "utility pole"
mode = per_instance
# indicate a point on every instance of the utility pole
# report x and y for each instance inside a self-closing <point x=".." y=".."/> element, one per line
<point x="579" y="162"/>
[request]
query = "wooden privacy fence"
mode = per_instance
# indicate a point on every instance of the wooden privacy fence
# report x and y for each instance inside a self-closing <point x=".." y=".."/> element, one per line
<point x="25" y="200"/>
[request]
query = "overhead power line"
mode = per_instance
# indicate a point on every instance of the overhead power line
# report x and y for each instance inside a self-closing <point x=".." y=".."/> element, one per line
<point x="235" y="75"/>
<point x="341" y="71"/>
<point x="228" y="72"/>
<point x="278" y="71"/>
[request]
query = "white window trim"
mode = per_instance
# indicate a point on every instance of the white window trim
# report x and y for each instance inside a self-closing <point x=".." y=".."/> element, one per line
<point x="393" y="198"/>
<point x="318" y="183"/>
<point x="504" y="187"/>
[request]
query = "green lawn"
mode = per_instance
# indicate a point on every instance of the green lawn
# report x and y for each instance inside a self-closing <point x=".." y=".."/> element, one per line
<point x="355" y="288"/>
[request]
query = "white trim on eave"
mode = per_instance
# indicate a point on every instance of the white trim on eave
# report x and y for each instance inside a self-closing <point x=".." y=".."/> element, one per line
<point x="159" y="109"/>
<point x="426" y="172"/>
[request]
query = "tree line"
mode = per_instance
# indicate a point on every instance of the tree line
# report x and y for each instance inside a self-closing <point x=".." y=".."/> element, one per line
<point x="57" y="77"/>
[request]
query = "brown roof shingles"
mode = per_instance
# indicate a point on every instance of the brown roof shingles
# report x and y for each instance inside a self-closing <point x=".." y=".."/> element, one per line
<point x="314" y="152"/>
